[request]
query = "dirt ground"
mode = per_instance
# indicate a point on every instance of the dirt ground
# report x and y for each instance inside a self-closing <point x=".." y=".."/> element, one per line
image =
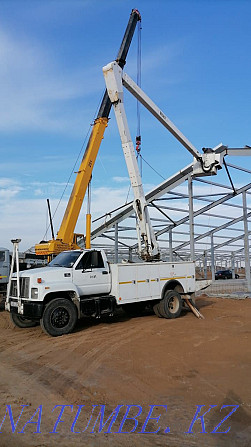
<point x="175" y="365"/>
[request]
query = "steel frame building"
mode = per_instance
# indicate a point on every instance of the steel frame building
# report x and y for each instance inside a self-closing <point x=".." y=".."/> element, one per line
<point x="211" y="229"/>
<point x="208" y="223"/>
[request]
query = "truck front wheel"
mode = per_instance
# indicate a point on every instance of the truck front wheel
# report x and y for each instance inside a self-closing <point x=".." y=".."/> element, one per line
<point x="22" y="322"/>
<point x="59" y="317"/>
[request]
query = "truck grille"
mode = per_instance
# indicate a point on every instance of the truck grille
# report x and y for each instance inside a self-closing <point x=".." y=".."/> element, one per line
<point x="24" y="287"/>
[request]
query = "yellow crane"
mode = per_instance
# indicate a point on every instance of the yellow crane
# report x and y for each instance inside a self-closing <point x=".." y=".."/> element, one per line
<point x="66" y="238"/>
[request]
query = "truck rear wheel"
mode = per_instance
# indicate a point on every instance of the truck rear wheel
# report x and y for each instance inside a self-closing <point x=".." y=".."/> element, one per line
<point x="170" y="306"/>
<point x="157" y="311"/>
<point x="59" y="317"/>
<point x="21" y="322"/>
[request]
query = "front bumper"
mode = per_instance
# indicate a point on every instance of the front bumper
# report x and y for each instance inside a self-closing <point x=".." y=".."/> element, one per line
<point x="32" y="310"/>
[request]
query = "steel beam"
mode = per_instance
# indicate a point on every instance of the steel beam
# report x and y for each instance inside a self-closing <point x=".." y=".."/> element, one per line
<point x="246" y="241"/>
<point x="191" y="216"/>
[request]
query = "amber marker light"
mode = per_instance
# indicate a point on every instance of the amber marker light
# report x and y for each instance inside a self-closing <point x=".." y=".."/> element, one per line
<point x="39" y="280"/>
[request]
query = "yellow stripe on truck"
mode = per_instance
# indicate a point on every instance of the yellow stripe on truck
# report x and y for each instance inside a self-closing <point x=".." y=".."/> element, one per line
<point x="175" y="277"/>
<point x="152" y="280"/>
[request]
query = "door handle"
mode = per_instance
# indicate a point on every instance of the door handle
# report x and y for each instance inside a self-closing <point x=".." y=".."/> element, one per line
<point x="104" y="272"/>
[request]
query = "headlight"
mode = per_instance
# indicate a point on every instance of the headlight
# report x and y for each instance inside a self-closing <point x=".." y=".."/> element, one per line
<point x="34" y="293"/>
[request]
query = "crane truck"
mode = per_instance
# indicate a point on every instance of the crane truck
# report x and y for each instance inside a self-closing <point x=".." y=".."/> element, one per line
<point x="81" y="283"/>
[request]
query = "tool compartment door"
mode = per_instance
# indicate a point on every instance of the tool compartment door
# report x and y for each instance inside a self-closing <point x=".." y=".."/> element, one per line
<point x="147" y="282"/>
<point x="124" y="285"/>
<point x="135" y="282"/>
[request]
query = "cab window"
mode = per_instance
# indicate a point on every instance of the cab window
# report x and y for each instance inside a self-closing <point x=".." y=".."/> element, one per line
<point x="90" y="260"/>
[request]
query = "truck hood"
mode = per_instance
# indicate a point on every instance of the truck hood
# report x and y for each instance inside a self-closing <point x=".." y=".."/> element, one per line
<point x="51" y="274"/>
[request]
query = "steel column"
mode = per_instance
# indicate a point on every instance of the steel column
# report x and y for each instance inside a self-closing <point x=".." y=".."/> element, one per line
<point x="116" y="245"/>
<point x="170" y="245"/>
<point x="205" y="264"/>
<point x="191" y="214"/>
<point x="246" y="241"/>
<point x="232" y="265"/>
<point x="212" y="257"/>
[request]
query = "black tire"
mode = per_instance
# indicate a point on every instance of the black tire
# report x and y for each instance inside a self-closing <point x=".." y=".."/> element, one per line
<point x="157" y="311"/>
<point x="171" y="305"/>
<point x="134" y="309"/>
<point x="59" y="317"/>
<point x="22" y="322"/>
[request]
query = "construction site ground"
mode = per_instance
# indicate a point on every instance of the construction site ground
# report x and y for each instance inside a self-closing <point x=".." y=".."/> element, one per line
<point x="142" y="361"/>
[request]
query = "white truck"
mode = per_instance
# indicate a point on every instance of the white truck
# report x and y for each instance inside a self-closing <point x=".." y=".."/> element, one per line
<point x="82" y="283"/>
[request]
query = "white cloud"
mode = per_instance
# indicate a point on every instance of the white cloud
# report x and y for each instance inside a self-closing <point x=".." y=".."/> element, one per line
<point x="9" y="188"/>
<point x="38" y="192"/>
<point x="27" y="218"/>
<point x="6" y="182"/>
<point x="120" y="179"/>
<point x="60" y="184"/>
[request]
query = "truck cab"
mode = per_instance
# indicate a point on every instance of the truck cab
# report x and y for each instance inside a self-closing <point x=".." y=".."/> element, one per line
<point x="88" y="271"/>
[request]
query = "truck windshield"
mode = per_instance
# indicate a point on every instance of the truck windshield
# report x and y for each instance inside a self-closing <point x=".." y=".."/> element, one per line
<point x="65" y="259"/>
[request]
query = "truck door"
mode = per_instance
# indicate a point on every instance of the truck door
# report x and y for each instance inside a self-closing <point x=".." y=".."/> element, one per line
<point x="91" y="274"/>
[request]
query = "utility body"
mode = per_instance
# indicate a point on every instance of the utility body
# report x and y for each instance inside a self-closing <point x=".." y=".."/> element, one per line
<point x="81" y="283"/>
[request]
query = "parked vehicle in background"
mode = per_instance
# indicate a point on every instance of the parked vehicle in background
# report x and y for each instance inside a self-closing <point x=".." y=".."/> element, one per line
<point x="225" y="274"/>
<point x="4" y="273"/>
<point x="26" y="261"/>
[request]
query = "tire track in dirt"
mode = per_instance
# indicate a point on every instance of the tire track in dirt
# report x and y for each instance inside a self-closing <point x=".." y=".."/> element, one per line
<point x="28" y="358"/>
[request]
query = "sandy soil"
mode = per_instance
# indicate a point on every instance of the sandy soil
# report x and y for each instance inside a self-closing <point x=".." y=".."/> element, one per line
<point x="140" y="361"/>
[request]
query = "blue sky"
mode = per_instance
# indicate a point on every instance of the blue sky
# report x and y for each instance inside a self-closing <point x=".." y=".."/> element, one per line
<point x="195" y="65"/>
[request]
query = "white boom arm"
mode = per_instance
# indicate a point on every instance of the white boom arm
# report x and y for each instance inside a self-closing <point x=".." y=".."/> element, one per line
<point x="206" y="163"/>
<point x="148" y="246"/>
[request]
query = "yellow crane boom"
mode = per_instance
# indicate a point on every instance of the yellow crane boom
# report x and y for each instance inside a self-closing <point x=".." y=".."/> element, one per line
<point x="66" y="238"/>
